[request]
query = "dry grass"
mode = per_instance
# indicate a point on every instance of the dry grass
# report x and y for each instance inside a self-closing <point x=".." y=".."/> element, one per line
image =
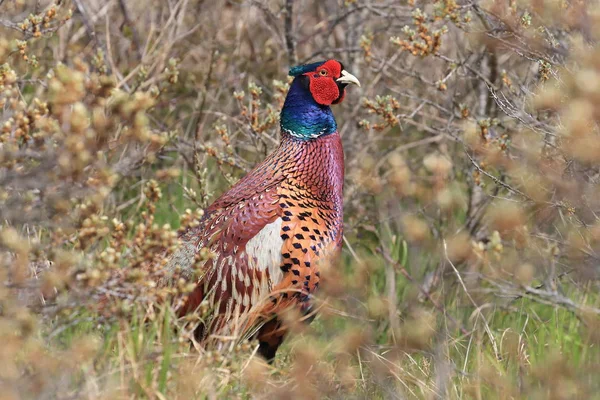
<point x="472" y="238"/>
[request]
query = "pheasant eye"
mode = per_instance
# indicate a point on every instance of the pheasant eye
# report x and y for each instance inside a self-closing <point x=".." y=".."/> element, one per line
<point x="323" y="72"/>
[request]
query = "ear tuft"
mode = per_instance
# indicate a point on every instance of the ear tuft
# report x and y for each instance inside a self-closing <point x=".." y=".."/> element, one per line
<point x="304" y="68"/>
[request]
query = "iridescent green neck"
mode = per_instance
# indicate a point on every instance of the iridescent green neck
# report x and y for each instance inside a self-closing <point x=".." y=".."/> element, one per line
<point x="302" y="117"/>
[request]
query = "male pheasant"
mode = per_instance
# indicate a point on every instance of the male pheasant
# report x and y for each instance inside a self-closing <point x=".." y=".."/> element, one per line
<point x="270" y="233"/>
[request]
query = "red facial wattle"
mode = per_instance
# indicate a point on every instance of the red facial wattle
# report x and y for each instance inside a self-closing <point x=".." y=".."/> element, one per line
<point x="324" y="90"/>
<point x="323" y="86"/>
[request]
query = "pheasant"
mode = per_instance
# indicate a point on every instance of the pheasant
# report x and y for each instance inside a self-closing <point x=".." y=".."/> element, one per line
<point x="270" y="233"/>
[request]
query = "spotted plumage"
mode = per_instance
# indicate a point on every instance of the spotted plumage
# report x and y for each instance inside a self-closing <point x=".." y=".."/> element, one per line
<point x="270" y="233"/>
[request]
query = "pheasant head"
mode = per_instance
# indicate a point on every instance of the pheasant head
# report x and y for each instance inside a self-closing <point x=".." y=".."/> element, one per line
<point x="306" y="113"/>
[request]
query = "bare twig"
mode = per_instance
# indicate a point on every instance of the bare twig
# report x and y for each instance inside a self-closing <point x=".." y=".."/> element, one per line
<point x="290" y="39"/>
<point x="134" y="32"/>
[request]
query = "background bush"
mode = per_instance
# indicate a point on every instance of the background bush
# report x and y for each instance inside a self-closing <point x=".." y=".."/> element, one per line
<point x="472" y="237"/>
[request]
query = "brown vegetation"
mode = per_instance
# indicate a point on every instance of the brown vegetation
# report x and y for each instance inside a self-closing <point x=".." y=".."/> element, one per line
<point x="472" y="235"/>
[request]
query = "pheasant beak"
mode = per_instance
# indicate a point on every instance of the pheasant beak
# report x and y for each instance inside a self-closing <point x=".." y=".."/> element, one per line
<point x="347" y="77"/>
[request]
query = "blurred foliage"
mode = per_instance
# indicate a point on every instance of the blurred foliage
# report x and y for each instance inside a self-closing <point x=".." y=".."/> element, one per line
<point x="472" y="237"/>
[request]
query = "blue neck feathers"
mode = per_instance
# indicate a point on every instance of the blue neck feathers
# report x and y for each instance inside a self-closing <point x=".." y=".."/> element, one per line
<point x="302" y="117"/>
